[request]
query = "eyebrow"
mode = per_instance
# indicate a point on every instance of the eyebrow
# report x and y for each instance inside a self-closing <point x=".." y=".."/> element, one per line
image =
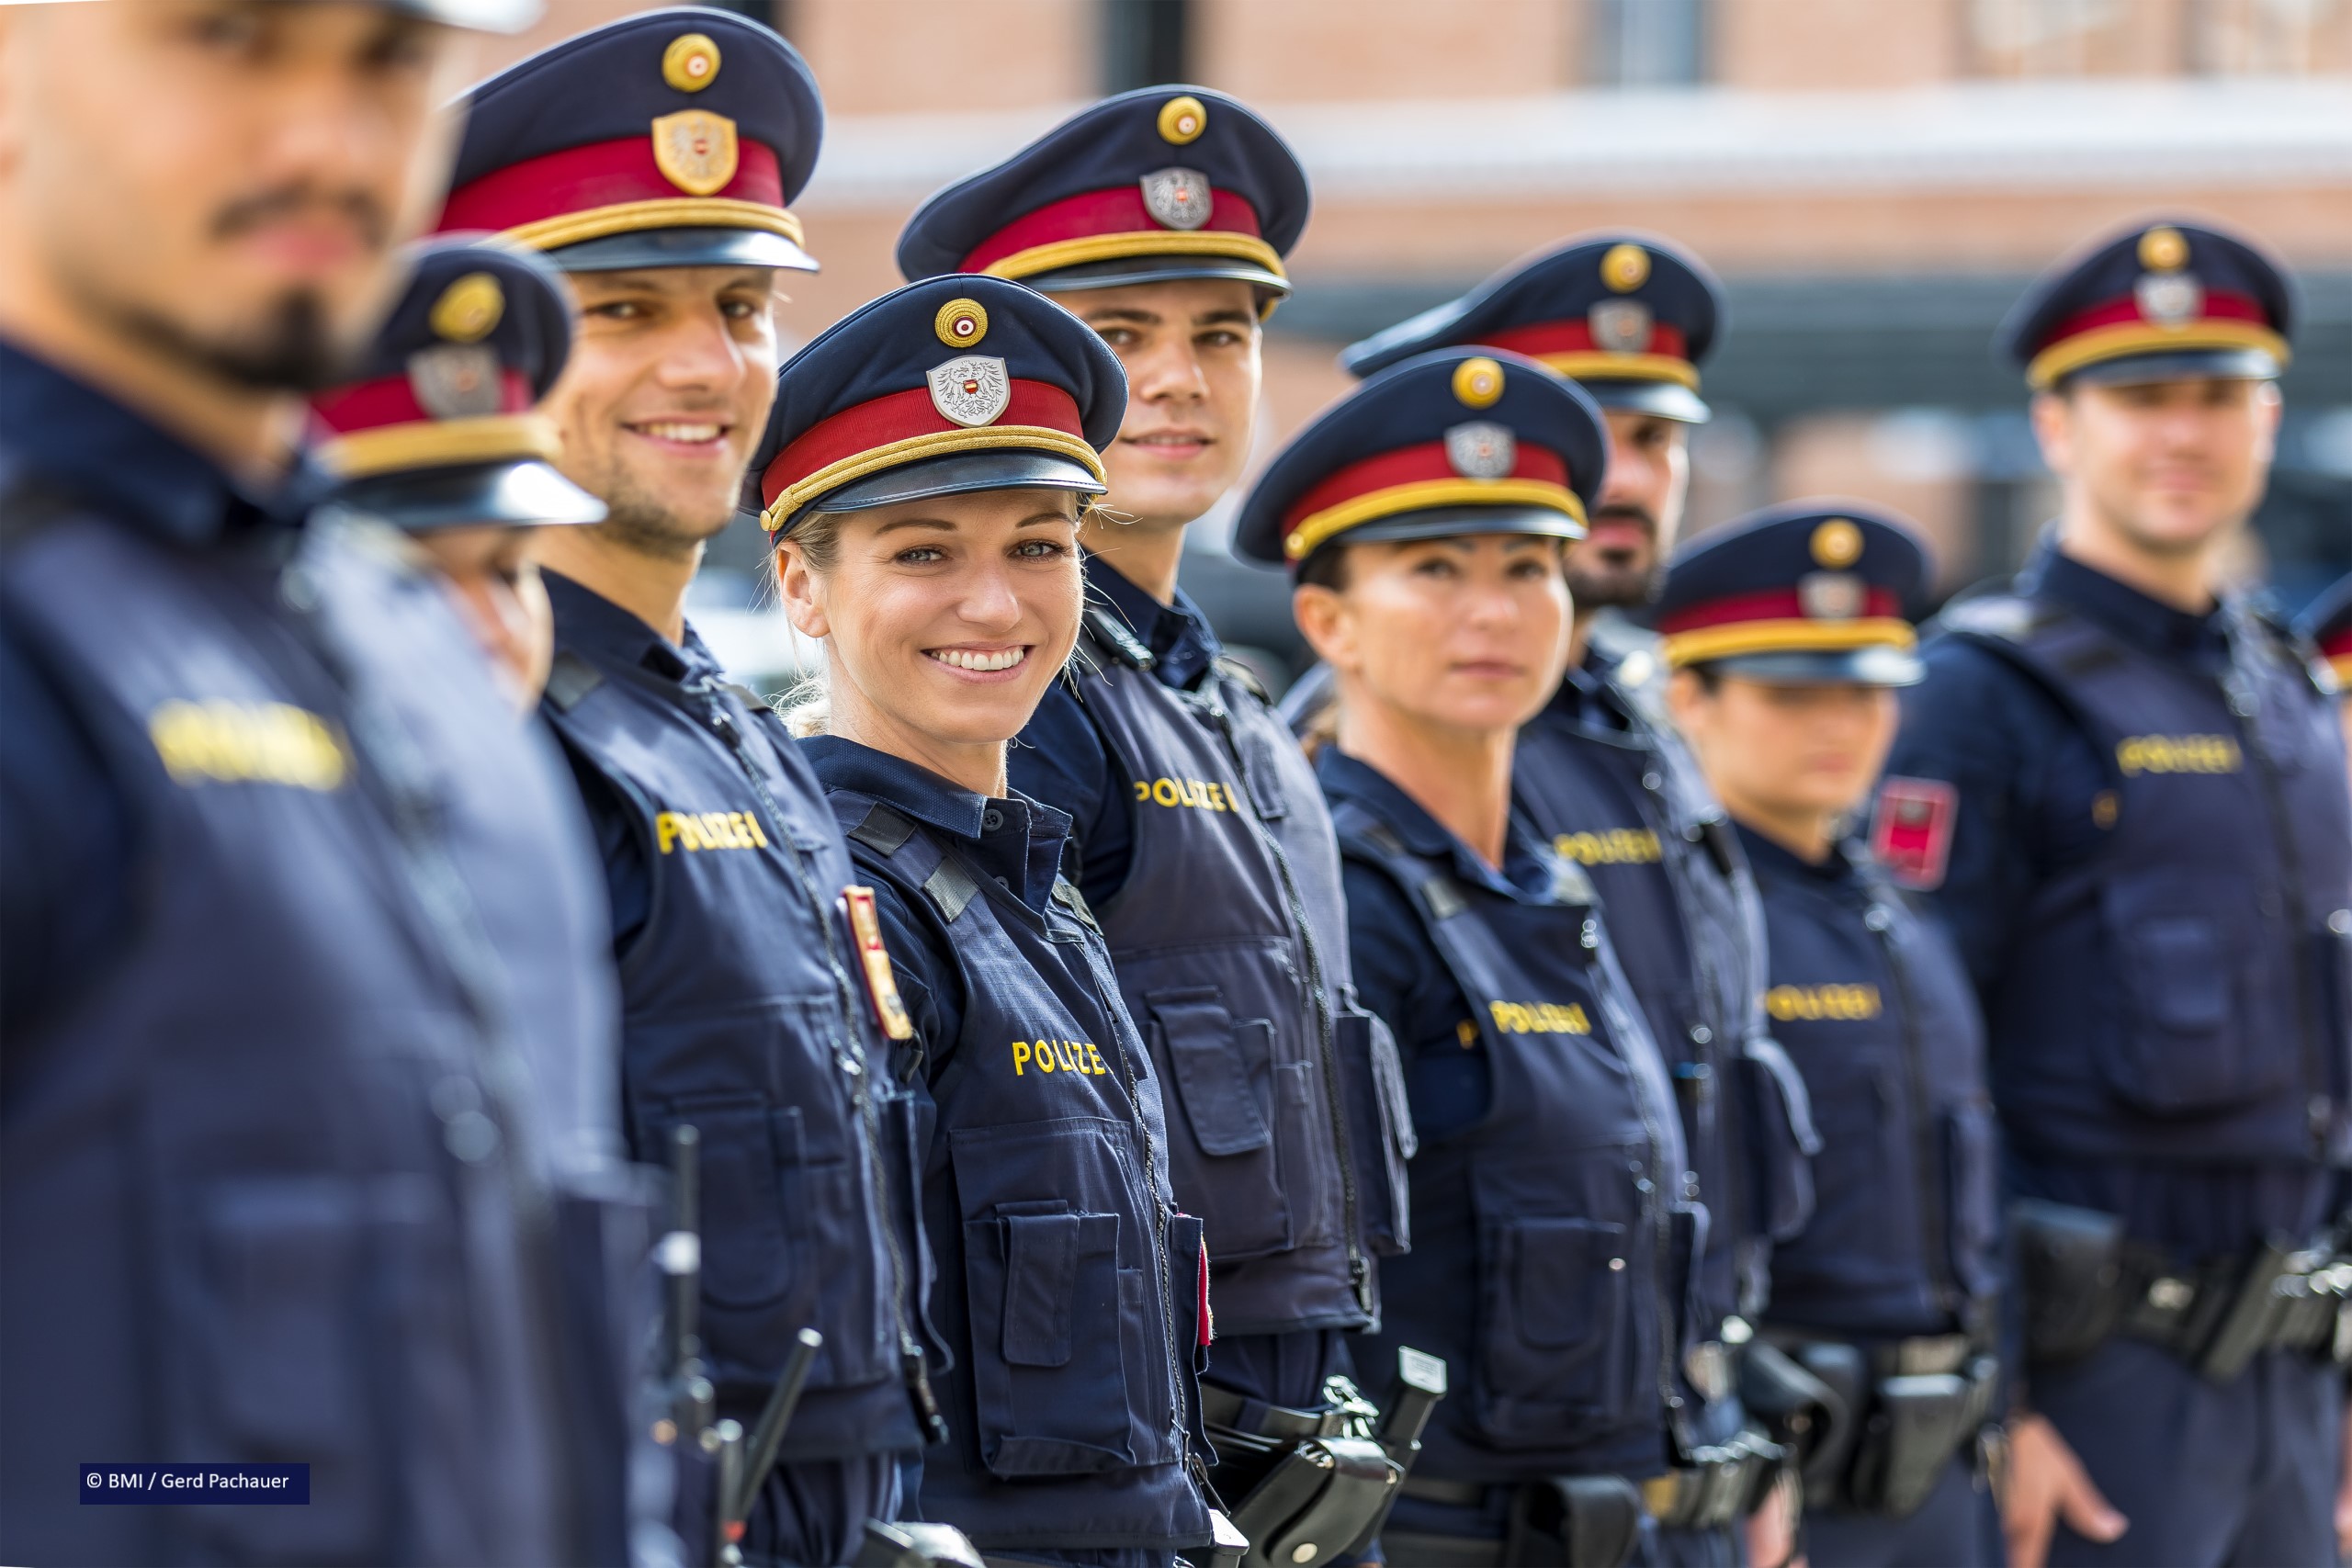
<point x="937" y="525"/>
<point x="1124" y="313"/>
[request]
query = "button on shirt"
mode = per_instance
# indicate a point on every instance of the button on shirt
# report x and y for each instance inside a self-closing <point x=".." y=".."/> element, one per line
<point x="2026" y="773"/>
<point x="1016" y="841"/>
<point x="67" y="843"/>
<point x="1061" y="759"/>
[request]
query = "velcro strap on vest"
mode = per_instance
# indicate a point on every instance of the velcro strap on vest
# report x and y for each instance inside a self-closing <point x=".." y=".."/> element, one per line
<point x="883" y="830"/>
<point x="1443" y="900"/>
<point x="951" y="887"/>
<point x="570" y="680"/>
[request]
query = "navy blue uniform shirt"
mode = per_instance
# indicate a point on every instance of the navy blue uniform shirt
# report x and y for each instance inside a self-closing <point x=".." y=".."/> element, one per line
<point x="2026" y="775"/>
<point x="1061" y="758"/>
<point x="65" y="834"/>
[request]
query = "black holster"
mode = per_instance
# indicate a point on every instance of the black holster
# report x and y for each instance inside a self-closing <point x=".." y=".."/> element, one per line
<point x="2069" y="1263"/>
<point x="1799" y="1410"/>
<point x="1574" y="1521"/>
<point x="1916" y="1423"/>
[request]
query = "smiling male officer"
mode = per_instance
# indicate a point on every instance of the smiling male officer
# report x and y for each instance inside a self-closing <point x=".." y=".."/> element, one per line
<point x="653" y="161"/>
<point x="289" y="1140"/>
<point x="1161" y="218"/>
<point x="2127" y="789"/>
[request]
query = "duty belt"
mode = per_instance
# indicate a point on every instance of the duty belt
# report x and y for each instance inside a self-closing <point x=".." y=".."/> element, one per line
<point x="1567" y="1521"/>
<point x="2219" y="1316"/>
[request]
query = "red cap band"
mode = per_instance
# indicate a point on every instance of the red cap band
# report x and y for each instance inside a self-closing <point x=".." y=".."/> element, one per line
<point x="1413" y="465"/>
<point x="1576" y="337"/>
<point x="1779" y="605"/>
<point x="372" y="405"/>
<point x="602" y="174"/>
<point x="900" y="416"/>
<point x="2219" y="305"/>
<point x="1119" y="211"/>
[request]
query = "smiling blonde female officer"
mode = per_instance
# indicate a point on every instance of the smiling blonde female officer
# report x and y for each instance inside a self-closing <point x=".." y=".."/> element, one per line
<point x="924" y="472"/>
<point x="1552" y="1215"/>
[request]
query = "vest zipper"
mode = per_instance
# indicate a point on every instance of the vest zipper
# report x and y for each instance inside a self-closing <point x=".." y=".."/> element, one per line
<point x="1359" y="1267"/>
<point x="1879" y="919"/>
<point x="850" y="1057"/>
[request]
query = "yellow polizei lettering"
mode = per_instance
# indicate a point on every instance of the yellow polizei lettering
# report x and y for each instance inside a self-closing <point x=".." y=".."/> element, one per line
<point x="1611" y="846"/>
<point x="752" y="822"/>
<point x="220" y="741"/>
<point x="1536" y="1018"/>
<point x="1080" y="1057"/>
<point x="695" y="831"/>
<point x="2140" y="754"/>
<point x="1200" y="794"/>
<point x="1094" y="1063"/>
<point x="1020" y="1056"/>
<point x="1847" y="1003"/>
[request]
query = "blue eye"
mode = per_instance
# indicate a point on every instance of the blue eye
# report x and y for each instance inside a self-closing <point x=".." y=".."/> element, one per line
<point x="921" y="555"/>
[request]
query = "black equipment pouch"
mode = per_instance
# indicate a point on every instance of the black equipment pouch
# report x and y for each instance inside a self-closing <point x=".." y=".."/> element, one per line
<point x="1574" y="1521"/>
<point x="909" y="1544"/>
<point x="1800" y="1411"/>
<point x="1845" y="1371"/>
<point x="1421" y="1384"/>
<point x="1916" y="1426"/>
<point x="1316" y="1502"/>
<point x="2069" y="1261"/>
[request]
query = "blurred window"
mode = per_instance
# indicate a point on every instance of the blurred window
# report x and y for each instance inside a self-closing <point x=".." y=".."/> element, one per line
<point x="2270" y="38"/>
<point x="1645" y="43"/>
<point x="1144" y="43"/>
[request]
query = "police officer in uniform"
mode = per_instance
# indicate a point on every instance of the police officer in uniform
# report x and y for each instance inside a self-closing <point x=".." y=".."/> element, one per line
<point x="923" y="473"/>
<point x="308" y="1024"/>
<point x="652" y="161"/>
<point x="2127" y="790"/>
<point x="1602" y="774"/>
<point x="1788" y="633"/>
<point x="1160" y="218"/>
<point x="438" y="436"/>
<point x="1423" y="518"/>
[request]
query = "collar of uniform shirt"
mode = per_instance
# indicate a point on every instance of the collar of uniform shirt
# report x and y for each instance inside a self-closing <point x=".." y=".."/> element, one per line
<point x="2124" y="610"/>
<point x="1527" y="870"/>
<point x="1769" y="857"/>
<point x="1182" y="642"/>
<point x="586" y="619"/>
<point x="1022" y="850"/>
<point x="64" y="429"/>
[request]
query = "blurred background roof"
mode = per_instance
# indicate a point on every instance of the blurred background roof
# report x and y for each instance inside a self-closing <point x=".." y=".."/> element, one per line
<point x="1874" y="180"/>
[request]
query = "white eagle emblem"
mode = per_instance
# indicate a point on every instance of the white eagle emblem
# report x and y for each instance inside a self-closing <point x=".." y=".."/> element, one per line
<point x="1831" y="595"/>
<point x="1481" y="450"/>
<point x="2169" y="298"/>
<point x="454" y="381"/>
<point x="971" y="391"/>
<point x="1620" y="326"/>
<point x="1177" y="199"/>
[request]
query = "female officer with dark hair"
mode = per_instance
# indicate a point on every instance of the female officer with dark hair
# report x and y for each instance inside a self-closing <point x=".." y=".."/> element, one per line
<point x="1424" y="517"/>
<point x="924" y="472"/>
<point x="1788" y="634"/>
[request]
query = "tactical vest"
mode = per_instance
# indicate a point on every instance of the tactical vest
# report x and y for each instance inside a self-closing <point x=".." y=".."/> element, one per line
<point x="1071" y="1293"/>
<point x="277" y="1188"/>
<point x="2184" y="993"/>
<point x="1561" y="1307"/>
<point x="1614" y="789"/>
<point x="740" y="1017"/>
<point x="1878" y="1013"/>
<point x="1229" y="939"/>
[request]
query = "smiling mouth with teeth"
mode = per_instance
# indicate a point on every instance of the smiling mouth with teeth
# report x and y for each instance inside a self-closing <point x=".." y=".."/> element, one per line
<point x="979" y="663"/>
<point x="678" y="430"/>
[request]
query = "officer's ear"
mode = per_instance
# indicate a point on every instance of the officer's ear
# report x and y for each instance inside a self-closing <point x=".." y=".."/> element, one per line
<point x="1690" y="699"/>
<point x="796" y="587"/>
<point x="2053" y="426"/>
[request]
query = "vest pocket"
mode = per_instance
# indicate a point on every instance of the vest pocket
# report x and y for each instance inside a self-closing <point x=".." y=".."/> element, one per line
<point x="746" y="1257"/>
<point x="1222" y="1157"/>
<point x="1046" y="1297"/>
<point x="2195" y="1033"/>
<point x="1380" y="1128"/>
<point x="1972" y="1201"/>
<point x="1554" y="1346"/>
<point x="1777" y="1112"/>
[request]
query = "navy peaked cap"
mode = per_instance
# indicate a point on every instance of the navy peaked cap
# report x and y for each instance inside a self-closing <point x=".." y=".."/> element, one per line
<point x="1152" y="185"/>
<point x="672" y="138"/>
<point x="439" y="426"/>
<point x="1818" y="589"/>
<point x="2158" y="301"/>
<point x="1455" y="442"/>
<point x="1628" y="317"/>
<point x="954" y="384"/>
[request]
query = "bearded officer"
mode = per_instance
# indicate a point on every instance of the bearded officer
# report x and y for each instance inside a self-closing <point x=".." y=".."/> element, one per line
<point x="1603" y="775"/>
<point x="438" y="435"/>
<point x="2126" y="788"/>
<point x="1161" y="218"/>
<point x="306" y="1015"/>
<point x="652" y="162"/>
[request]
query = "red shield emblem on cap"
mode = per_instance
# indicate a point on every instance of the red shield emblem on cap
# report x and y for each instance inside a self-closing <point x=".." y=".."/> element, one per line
<point x="1911" y="830"/>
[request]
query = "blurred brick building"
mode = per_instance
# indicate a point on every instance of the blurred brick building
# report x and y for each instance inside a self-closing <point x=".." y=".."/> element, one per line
<point x="1873" y="179"/>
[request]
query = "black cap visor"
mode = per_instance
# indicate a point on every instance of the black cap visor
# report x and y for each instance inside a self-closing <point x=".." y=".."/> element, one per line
<point x="684" y="247"/>
<point x="1881" y="666"/>
<point x="1130" y="270"/>
<point x="964" y="473"/>
<point x="1668" y="399"/>
<point x="522" y="494"/>
<point x="2180" y="365"/>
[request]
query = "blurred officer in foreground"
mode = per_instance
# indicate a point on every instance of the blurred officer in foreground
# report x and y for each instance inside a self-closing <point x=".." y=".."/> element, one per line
<point x="2128" y="790"/>
<point x="1600" y="772"/>
<point x="652" y="160"/>
<point x="923" y="473"/>
<point x="438" y="436"/>
<point x="1423" y="517"/>
<point x="1160" y="219"/>
<point x="1788" y="634"/>
<point x="307" y="1023"/>
<point x="2326" y="627"/>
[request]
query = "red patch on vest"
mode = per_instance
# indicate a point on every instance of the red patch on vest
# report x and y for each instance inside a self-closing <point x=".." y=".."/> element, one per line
<point x="1911" y="830"/>
<point x="1208" y="1322"/>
